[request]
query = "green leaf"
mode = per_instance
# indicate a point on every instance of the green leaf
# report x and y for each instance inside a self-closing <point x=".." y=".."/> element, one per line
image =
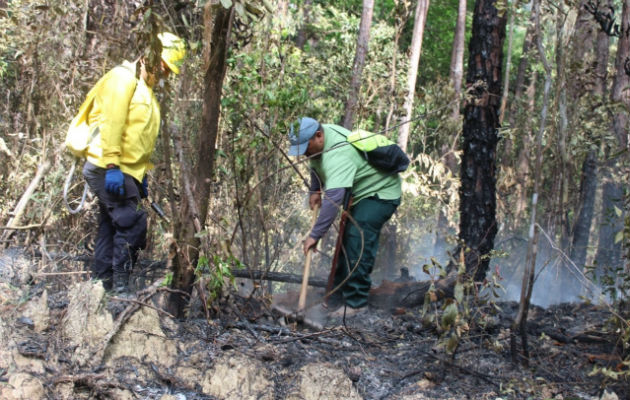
<point x="226" y="3"/>
<point x="618" y="211"/>
<point x="452" y="343"/>
<point x="618" y="237"/>
<point x="450" y="315"/>
<point x="426" y="269"/>
<point x="168" y="279"/>
<point x="459" y="292"/>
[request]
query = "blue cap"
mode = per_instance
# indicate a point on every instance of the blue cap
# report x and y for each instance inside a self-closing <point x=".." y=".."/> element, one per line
<point x="299" y="141"/>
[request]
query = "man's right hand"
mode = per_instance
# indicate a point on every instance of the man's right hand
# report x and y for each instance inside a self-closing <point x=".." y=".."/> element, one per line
<point x="315" y="199"/>
<point x="115" y="181"/>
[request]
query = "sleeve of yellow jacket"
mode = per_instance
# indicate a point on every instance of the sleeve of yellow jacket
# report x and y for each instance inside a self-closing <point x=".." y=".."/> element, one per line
<point x="114" y="98"/>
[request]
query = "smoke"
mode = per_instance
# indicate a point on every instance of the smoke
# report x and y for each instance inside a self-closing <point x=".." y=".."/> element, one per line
<point x="557" y="279"/>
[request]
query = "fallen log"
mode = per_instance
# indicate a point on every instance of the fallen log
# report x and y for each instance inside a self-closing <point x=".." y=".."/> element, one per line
<point x="276" y="277"/>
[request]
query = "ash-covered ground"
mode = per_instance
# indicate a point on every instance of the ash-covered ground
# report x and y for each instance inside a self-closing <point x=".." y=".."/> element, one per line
<point x="63" y="337"/>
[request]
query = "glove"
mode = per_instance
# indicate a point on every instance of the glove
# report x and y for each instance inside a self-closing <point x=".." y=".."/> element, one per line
<point x="145" y="187"/>
<point x="115" y="181"/>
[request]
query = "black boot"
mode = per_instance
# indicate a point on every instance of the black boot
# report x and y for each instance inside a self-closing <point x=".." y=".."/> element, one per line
<point x="121" y="282"/>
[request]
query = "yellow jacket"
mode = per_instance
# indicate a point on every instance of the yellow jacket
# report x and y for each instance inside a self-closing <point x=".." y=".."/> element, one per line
<point x="127" y="115"/>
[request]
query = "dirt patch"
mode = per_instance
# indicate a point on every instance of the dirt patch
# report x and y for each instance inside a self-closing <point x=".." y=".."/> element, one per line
<point x="37" y="311"/>
<point x="324" y="381"/>
<point x="142" y="338"/>
<point x="238" y="377"/>
<point x="86" y="320"/>
<point x="23" y="386"/>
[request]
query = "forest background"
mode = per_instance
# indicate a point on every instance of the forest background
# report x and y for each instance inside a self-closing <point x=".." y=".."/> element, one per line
<point x="255" y="67"/>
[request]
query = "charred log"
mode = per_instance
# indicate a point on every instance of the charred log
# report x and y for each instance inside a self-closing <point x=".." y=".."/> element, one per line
<point x="277" y="277"/>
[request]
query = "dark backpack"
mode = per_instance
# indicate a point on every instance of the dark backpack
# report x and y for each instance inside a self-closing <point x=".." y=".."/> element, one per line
<point x="378" y="150"/>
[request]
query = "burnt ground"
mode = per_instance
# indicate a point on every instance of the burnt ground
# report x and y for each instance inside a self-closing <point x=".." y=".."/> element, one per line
<point x="382" y="354"/>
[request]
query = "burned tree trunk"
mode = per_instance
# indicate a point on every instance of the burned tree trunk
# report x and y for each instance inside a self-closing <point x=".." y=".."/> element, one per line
<point x="478" y="227"/>
<point x="196" y="180"/>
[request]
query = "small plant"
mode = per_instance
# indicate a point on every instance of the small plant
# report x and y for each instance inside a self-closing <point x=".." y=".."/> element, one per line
<point x="216" y="274"/>
<point x="455" y="316"/>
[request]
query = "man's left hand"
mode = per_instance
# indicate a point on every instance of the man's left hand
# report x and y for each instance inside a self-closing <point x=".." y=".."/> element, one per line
<point x="310" y="243"/>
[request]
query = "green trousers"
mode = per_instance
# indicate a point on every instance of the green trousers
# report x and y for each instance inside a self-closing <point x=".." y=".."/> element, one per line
<point x="360" y="244"/>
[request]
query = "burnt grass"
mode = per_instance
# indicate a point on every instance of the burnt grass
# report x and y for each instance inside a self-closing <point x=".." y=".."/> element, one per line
<point x="392" y="353"/>
<point x="387" y="353"/>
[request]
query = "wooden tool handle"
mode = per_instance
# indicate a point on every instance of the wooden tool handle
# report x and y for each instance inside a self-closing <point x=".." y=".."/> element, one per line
<point x="307" y="267"/>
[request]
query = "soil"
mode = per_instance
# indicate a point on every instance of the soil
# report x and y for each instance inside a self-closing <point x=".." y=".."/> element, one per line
<point x="64" y="337"/>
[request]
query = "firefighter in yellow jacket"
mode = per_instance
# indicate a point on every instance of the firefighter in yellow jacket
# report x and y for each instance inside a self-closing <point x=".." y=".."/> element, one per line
<point x="125" y="121"/>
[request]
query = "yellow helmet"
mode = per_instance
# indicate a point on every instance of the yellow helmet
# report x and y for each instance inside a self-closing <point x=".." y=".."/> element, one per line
<point x="173" y="50"/>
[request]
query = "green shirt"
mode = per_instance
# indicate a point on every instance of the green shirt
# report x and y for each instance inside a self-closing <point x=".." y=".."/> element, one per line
<point x="341" y="165"/>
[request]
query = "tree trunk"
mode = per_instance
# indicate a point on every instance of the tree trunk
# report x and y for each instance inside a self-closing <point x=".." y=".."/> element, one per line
<point x="608" y="255"/>
<point x="400" y="25"/>
<point x="508" y="65"/>
<point x="519" y="82"/>
<point x="609" y="252"/>
<point x="359" y="61"/>
<point x="457" y="57"/>
<point x="522" y="167"/>
<point x="456" y="75"/>
<point x="620" y="90"/>
<point x="196" y="180"/>
<point x="582" y="227"/>
<point x="520" y="321"/>
<point x="588" y="185"/>
<point x="477" y="193"/>
<point x="302" y="32"/>
<point x="564" y="168"/>
<point x="414" y="60"/>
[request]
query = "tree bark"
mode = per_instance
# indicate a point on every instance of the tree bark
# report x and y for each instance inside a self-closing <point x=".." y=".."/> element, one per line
<point x="478" y="227"/>
<point x="522" y="167"/>
<point x="609" y="252"/>
<point x="400" y="25"/>
<point x="608" y="255"/>
<point x="508" y="66"/>
<point x="197" y="179"/>
<point x="563" y="168"/>
<point x="519" y="82"/>
<point x="359" y="61"/>
<point x="582" y="227"/>
<point x="414" y="60"/>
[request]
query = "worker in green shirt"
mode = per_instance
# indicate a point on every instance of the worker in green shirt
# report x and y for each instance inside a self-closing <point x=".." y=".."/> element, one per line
<point x="338" y="170"/>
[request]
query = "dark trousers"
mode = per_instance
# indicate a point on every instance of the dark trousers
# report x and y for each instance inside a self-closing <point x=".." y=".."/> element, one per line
<point x="361" y="244"/>
<point x="122" y="226"/>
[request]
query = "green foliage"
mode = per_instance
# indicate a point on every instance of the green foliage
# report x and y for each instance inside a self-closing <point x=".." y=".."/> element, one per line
<point x="453" y="317"/>
<point x="216" y="274"/>
<point x="437" y="43"/>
